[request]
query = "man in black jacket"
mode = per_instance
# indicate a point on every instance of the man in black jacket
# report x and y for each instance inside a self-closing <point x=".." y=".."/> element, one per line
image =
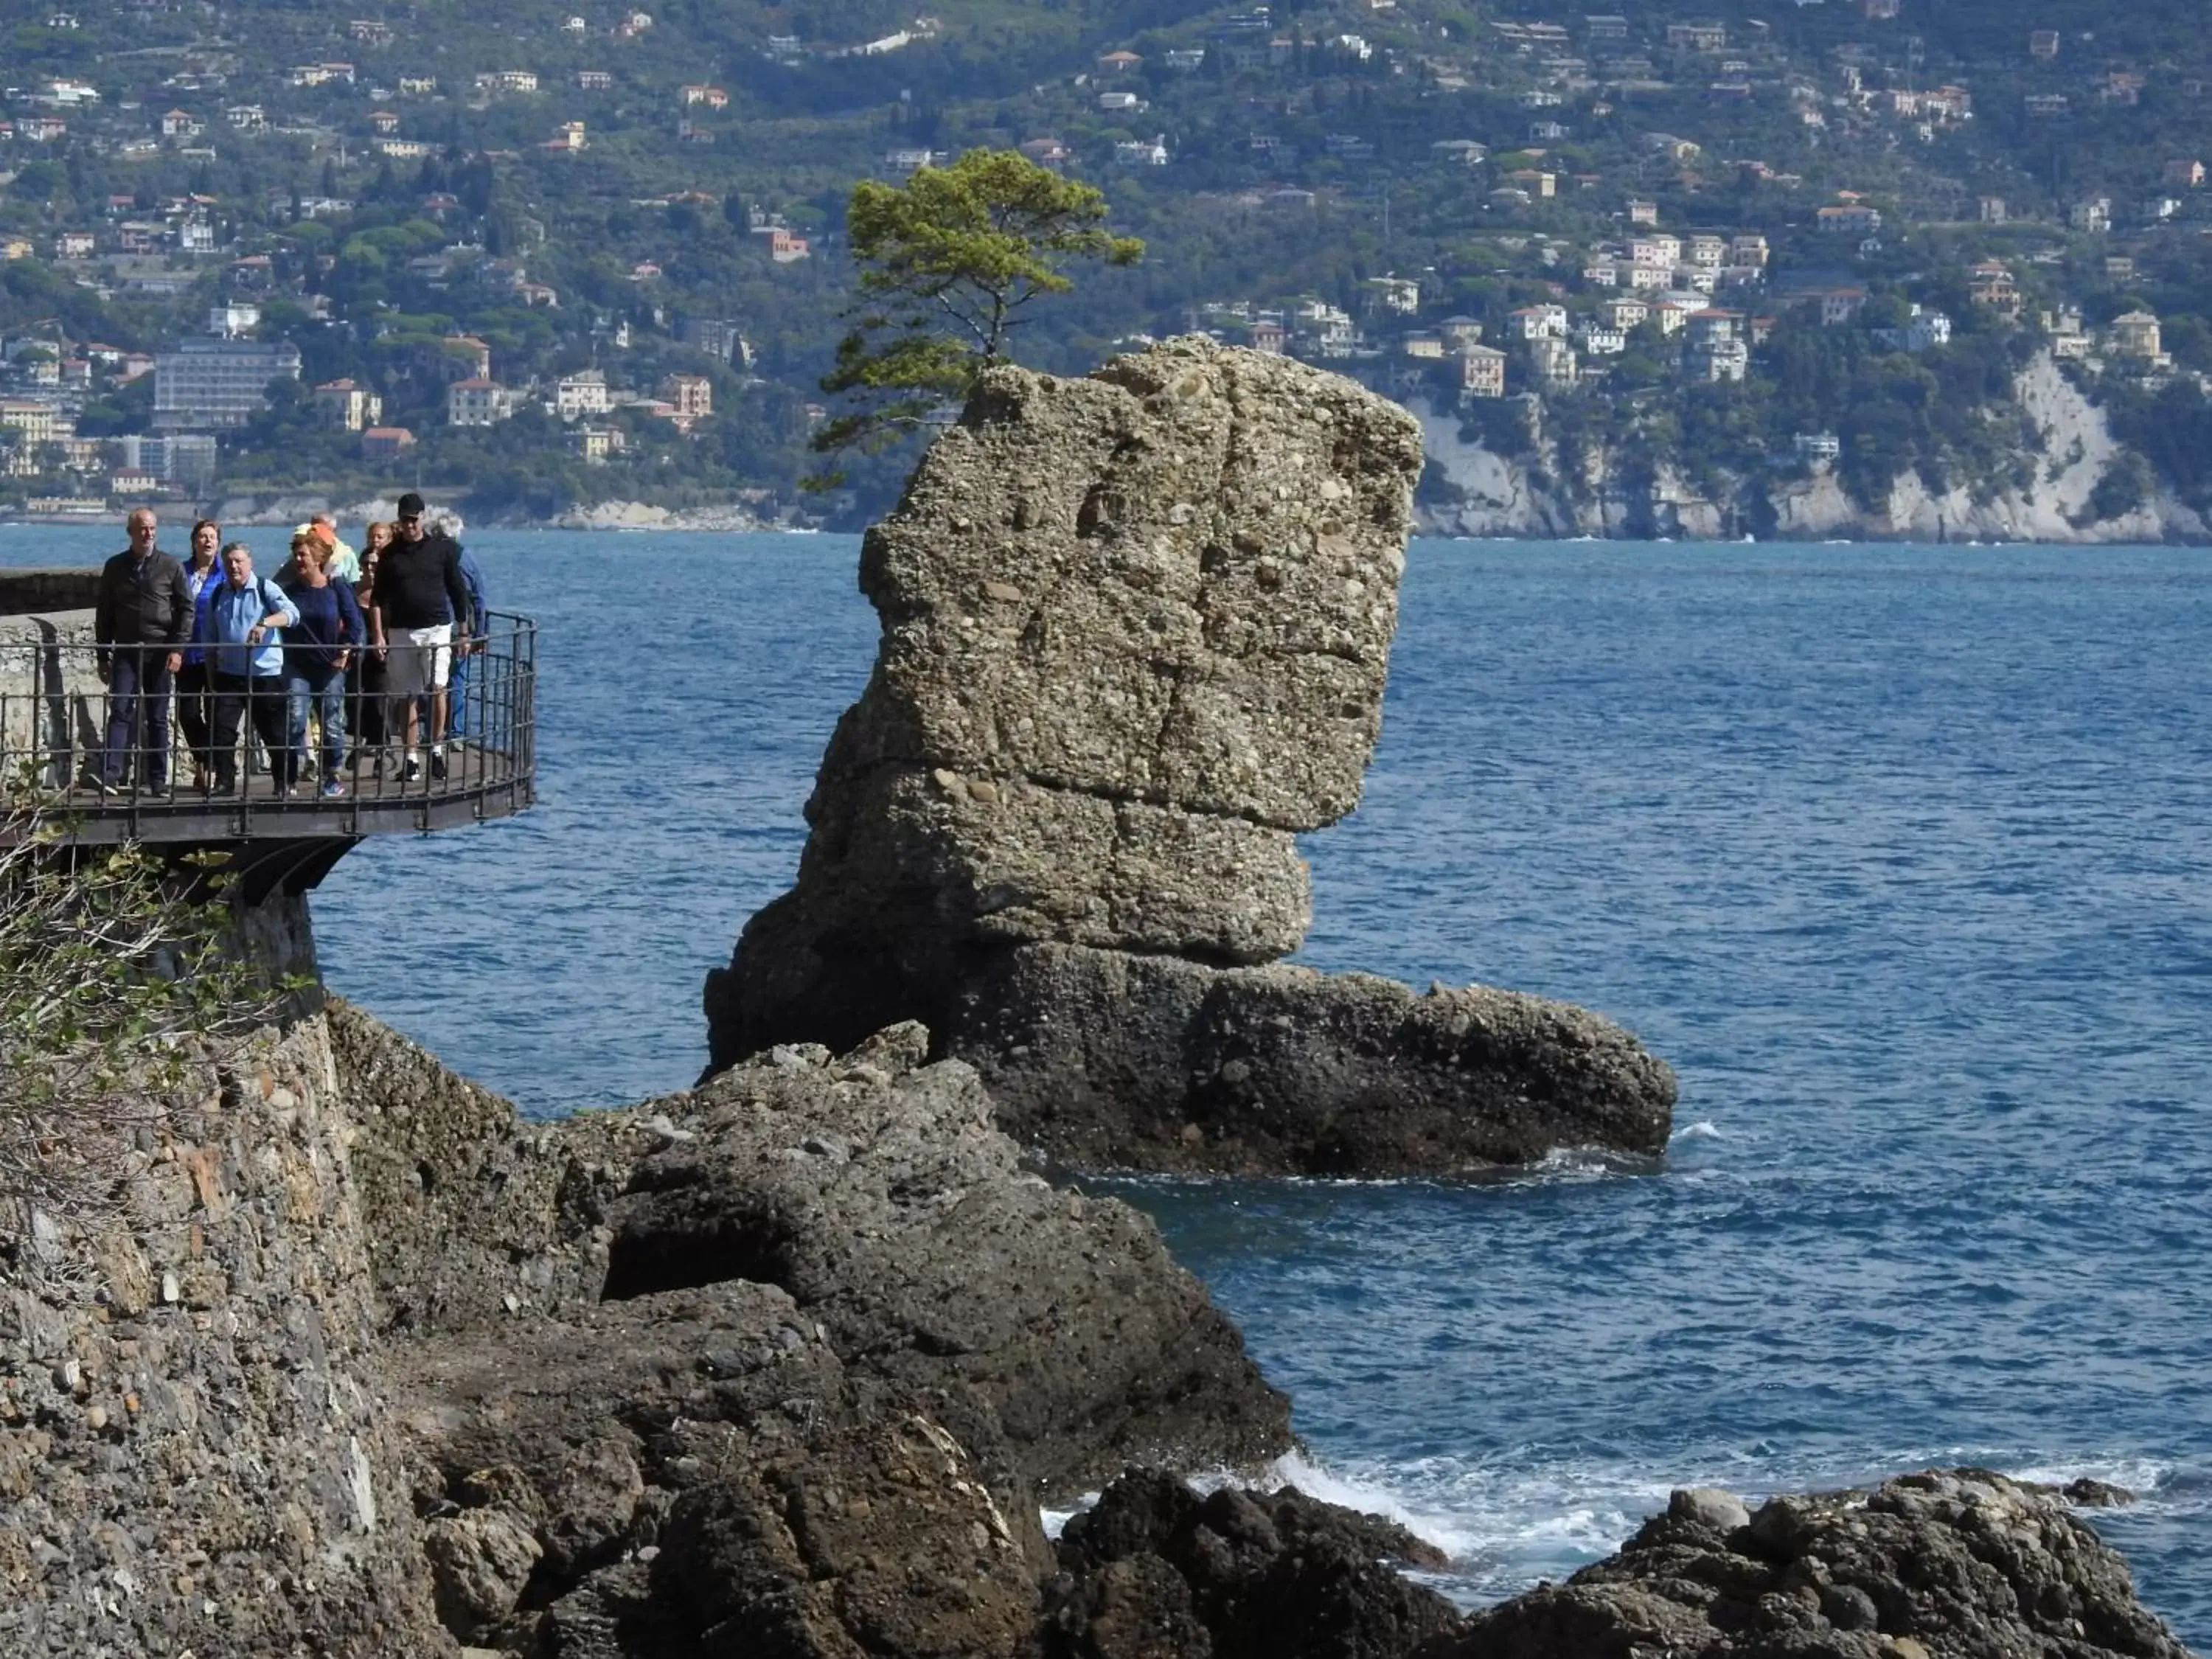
<point x="141" y="622"/>
<point x="420" y="599"/>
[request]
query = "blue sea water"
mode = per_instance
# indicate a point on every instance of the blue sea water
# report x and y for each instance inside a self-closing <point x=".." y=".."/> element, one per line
<point x="1901" y="856"/>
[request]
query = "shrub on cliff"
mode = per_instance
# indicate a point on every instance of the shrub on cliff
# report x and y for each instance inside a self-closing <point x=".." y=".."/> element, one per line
<point x="119" y="992"/>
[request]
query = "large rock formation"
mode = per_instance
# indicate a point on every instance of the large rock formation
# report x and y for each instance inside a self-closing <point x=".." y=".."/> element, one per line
<point x="365" y="1365"/>
<point x="1136" y="630"/>
<point x="787" y="1361"/>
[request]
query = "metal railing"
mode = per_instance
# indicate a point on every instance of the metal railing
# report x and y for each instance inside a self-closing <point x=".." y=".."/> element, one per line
<point x="58" y="714"/>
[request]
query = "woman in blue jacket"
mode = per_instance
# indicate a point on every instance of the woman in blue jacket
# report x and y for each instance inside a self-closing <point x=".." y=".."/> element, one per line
<point x="239" y="622"/>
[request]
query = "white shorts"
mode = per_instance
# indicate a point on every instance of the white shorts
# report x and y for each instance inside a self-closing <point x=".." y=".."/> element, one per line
<point x="418" y="660"/>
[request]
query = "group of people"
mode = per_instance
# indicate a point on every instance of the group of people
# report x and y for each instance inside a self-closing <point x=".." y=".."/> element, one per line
<point x="373" y="644"/>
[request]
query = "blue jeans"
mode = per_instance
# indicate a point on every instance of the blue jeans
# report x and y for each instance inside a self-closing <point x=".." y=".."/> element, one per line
<point x="319" y="688"/>
<point x="456" y="697"/>
<point x="139" y="682"/>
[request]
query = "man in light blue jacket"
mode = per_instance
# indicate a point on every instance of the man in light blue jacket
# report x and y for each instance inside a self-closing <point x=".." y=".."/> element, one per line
<point x="241" y="623"/>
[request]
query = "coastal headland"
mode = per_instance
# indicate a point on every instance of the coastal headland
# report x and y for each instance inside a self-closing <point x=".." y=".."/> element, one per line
<point x="363" y="1364"/>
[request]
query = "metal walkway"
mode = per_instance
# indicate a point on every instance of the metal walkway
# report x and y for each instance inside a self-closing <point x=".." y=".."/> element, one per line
<point x="53" y="718"/>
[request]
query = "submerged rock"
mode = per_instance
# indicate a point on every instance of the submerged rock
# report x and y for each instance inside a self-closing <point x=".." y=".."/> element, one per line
<point x="1136" y="629"/>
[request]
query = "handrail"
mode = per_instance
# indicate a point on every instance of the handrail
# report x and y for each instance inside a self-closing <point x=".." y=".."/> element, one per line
<point x="54" y="718"/>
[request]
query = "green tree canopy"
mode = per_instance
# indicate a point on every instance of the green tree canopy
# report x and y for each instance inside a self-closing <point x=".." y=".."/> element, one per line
<point x="948" y="262"/>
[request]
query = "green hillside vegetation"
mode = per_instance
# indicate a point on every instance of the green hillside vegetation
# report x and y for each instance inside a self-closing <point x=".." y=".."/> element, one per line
<point x="1301" y="164"/>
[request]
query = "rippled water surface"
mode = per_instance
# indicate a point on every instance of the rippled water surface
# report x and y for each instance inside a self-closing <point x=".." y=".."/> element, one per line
<point x="1900" y="856"/>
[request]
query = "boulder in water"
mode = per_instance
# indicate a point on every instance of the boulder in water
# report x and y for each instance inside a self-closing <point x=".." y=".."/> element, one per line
<point x="1961" y="1563"/>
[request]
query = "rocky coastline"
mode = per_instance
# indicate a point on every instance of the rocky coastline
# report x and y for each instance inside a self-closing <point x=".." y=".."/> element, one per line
<point x="787" y="1364"/>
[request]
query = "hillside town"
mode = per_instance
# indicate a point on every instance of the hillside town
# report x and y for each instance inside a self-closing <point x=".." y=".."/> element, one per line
<point x="1583" y="210"/>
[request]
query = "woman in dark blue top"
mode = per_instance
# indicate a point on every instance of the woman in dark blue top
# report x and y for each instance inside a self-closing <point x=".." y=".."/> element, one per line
<point x="195" y="686"/>
<point x="317" y="651"/>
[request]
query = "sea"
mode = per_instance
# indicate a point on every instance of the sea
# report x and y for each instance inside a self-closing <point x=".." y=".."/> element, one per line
<point x="1901" y="855"/>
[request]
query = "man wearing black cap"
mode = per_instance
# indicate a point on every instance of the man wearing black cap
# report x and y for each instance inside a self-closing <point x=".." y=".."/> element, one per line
<point x="419" y="598"/>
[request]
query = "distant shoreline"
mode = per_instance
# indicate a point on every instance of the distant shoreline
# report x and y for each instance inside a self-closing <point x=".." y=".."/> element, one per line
<point x="186" y="513"/>
<point x="679" y="525"/>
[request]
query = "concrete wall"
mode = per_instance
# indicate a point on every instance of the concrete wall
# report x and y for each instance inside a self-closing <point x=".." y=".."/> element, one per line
<point x="52" y="704"/>
<point x="22" y="591"/>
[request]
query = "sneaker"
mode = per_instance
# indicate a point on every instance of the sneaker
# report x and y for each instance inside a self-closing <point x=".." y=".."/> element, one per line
<point x="333" y="789"/>
<point x="438" y="764"/>
<point x="376" y="767"/>
<point x="413" y="771"/>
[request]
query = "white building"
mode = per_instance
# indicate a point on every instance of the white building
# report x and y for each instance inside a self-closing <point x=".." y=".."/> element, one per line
<point x="478" y="402"/>
<point x="1717" y="361"/>
<point x="1554" y="361"/>
<point x="1923" y="329"/>
<point x="1624" y="314"/>
<point x="1539" y="323"/>
<point x="216" y="383"/>
<point x="581" y="394"/>
<point x="1400" y="295"/>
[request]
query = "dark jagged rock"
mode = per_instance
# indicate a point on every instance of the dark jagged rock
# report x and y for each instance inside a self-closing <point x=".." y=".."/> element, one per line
<point x="1117" y="1060"/>
<point x="1136" y="631"/>
<point x="784" y="1360"/>
<point x="1964" y="1564"/>
<point x="1156" y="1570"/>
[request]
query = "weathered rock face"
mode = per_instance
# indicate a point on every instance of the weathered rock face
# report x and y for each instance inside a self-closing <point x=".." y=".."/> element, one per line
<point x="1173" y="582"/>
<point x="1136" y="629"/>
<point x="791" y="1357"/>
<point x="1965" y="1563"/>
<point x="1136" y="632"/>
